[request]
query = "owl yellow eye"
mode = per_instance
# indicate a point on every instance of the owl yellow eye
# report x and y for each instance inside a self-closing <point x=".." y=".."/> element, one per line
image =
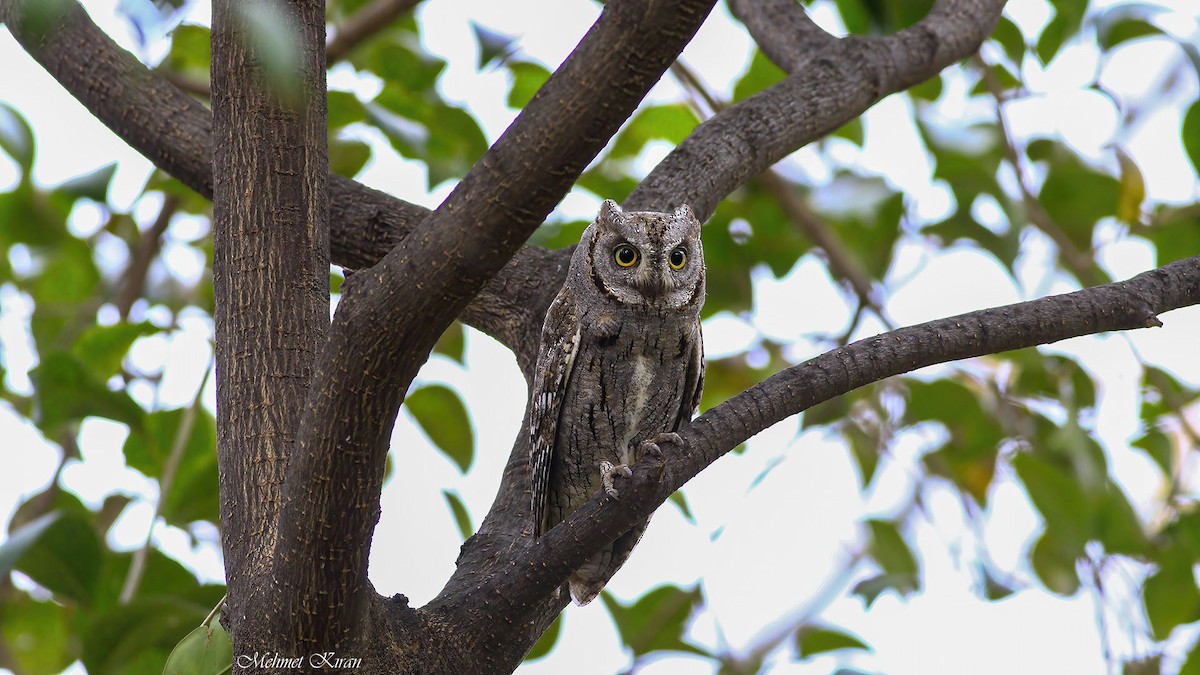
<point x="678" y="258"/>
<point x="625" y="255"/>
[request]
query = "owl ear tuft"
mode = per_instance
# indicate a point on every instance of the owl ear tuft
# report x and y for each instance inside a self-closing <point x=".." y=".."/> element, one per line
<point x="685" y="211"/>
<point x="610" y="210"/>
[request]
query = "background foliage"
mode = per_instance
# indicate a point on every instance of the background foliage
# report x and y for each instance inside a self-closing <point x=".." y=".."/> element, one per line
<point x="94" y="291"/>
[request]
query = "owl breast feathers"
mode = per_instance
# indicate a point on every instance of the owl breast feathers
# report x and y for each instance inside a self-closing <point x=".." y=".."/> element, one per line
<point x="620" y="368"/>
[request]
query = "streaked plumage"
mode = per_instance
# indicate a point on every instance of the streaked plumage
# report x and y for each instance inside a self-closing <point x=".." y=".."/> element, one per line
<point x="621" y="367"/>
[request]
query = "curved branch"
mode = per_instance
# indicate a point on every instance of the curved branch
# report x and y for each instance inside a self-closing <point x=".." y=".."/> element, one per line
<point x="783" y="31"/>
<point x="536" y="568"/>
<point x="832" y="88"/>
<point x="174" y="131"/>
<point x="391" y="314"/>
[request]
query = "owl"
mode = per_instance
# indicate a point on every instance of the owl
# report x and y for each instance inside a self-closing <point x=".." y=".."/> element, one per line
<point x="620" y="368"/>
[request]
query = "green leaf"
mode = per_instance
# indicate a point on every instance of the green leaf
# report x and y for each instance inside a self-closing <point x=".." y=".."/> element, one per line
<point x="1171" y="597"/>
<point x="1075" y="197"/>
<point x="1123" y="23"/>
<point x="37" y="638"/>
<point x="103" y="348"/>
<point x="443" y="417"/>
<point x="193" y="493"/>
<point x="1010" y="38"/>
<point x="453" y="343"/>
<point x="680" y="501"/>
<point x="871" y="588"/>
<point x="136" y="633"/>
<point x="969" y="459"/>
<point x="1053" y="560"/>
<point x="92" y="185"/>
<point x="527" y="79"/>
<point x="190" y="51"/>
<point x="1158" y="447"/>
<point x="760" y="75"/>
<point x="1191" y="134"/>
<point x="815" y="639"/>
<point x="854" y="16"/>
<point x="1121" y="530"/>
<point x="1133" y="190"/>
<point x="419" y="126"/>
<point x="65" y="392"/>
<point x="657" y="620"/>
<point x="493" y="46"/>
<point x="458" y="509"/>
<point x="993" y="588"/>
<point x="207" y="650"/>
<point x="671" y="123"/>
<point x="347" y="157"/>
<point x="1004" y="78"/>
<point x="865" y="446"/>
<point x="928" y="90"/>
<point x="20" y="540"/>
<point x="851" y="131"/>
<point x="1060" y="499"/>
<point x="547" y="641"/>
<point x="65" y="558"/>
<point x="16" y="137"/>
<point x="890" y="551"/>
<point x="344" y="109"/>
<point x="1051" y="40"/>
<point x="1053" y="378"/>
<point x="901" y="571"/>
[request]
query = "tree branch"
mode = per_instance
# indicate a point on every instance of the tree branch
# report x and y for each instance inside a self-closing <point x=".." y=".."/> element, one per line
<point x="850" y="75"/>
<point x="783" y="31"/>
<point x="391" y="314"/>
<point x="537" y="567"/>
<point x="363" y="24"/>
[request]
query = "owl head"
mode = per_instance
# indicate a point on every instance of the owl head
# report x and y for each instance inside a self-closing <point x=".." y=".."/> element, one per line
<point x="646" y="258"/>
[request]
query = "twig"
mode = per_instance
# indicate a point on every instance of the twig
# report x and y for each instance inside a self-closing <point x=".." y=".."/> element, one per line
<point x="148" y="246"/>
<point x="1080" y="262"/>
<point x="166" y="481"/>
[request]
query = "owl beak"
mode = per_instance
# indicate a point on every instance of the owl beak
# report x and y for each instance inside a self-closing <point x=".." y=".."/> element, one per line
<point x="651" y="285"/>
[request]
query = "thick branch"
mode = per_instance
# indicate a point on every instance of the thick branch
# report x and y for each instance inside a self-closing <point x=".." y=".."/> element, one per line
<point x="174" y="131"/>
<point x="849" y="76"/>
<point x="270" y="284"/>
<point x="537" y="569"/>
<point x="392" y="313"/>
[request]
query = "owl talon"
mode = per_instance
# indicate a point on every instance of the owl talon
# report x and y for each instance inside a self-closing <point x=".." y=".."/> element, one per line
<point x="610" y="471"/>
<point x="650" y="446"/>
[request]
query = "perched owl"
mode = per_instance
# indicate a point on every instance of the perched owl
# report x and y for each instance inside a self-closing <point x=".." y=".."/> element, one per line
<point x="620" y="369"/>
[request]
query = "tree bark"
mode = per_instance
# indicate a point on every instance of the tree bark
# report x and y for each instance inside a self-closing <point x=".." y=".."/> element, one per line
<point x="270" y="282"/>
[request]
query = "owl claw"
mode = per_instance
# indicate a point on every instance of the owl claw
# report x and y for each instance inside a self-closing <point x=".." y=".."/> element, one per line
<point x="650" y="446"/>
<point x="610" y="471"/>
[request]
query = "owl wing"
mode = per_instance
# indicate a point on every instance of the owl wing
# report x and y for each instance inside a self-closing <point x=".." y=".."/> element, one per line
<point x="560" y="344"/>
<point x="693" y="382"/>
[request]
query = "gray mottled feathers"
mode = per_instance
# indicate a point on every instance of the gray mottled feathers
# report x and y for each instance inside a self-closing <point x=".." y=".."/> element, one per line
<point x="621" y="362"/>
<point x="560" y="342"/>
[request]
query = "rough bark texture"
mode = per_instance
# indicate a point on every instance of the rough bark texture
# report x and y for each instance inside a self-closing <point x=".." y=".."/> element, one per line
<point x="271" y="278"/>
<point x="321" y="404"/>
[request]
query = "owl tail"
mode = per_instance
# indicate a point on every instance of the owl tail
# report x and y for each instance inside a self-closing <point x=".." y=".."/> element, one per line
<point x="587" y="581"/>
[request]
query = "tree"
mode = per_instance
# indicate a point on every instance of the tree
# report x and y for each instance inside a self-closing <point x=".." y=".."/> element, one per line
<point x="306" y="406"/>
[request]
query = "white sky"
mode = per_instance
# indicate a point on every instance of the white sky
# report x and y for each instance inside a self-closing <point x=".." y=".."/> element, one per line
<point x="778" y="540"/>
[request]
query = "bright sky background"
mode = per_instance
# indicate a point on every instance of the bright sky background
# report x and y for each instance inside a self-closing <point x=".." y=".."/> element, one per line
<point x="762" y="546"/>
